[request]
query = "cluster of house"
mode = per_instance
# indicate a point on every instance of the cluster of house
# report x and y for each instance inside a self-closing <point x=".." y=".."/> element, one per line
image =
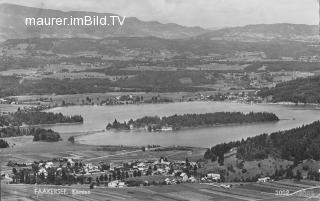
<point x="264" y="179"/>
<point x="32" y="108"/>
<point x="240" y="96"/>
<point x="7" y="101"/>
<point x="183" y="177"/>
<point x="36" y="105"/>
<point x="124" y="99"/>
<point x="115" y="174"/>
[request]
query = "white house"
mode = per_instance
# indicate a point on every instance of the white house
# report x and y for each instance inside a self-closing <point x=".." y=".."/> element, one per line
<point x="141" y="165"/>
<point x="89" y="168"/>
<point x="166" y="129"/>
<point x="121" y="184"/>
<point x="192" y="179"/>
<point x="184" y="176"/>
<point x="113" y="184"/>
<point x="168" y="181"/>
<point x="263" y="180"/>
<point x="43" y="171"/>
<point x="49" y="165"/>
<point x="6" y="178"/>
<point x="213" y="176"/>
<point x="226" y="186"/>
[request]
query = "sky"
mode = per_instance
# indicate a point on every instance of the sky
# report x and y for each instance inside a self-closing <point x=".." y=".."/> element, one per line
<point x="204" y="13"/>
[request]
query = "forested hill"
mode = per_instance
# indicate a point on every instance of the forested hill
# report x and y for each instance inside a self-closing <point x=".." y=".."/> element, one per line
<point x="305" y="90"/>
<point x="15" y="15"/>
<point x="295" y="145"/>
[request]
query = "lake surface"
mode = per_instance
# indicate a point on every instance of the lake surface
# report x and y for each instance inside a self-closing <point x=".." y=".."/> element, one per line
<point x="97" y="117"/>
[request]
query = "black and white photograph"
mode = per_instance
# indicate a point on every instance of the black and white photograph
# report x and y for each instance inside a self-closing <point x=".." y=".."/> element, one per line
<point x="160" y="100"/>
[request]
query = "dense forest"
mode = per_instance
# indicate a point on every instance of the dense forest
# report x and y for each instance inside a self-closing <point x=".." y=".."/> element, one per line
<point x="37" y="117"/>
<point x="305" y="90"/>
<point x="194" y="120"/>
<point x="295" y="145"/>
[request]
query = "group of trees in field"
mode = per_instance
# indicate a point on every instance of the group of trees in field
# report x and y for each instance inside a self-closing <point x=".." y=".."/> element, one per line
<point x="38" y="134"/>
<point x="11" y="125"/>
<point x="45" y="135"/>
<point x="195" y="120"/>
<point x="3" y="144"/>
<point x="304" y="90"/>
<point x="295" y="145"/>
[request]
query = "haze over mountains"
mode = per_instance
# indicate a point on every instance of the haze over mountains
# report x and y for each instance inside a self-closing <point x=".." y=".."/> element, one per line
<point x="265" y="32"/>
<point x="12" y="25"/>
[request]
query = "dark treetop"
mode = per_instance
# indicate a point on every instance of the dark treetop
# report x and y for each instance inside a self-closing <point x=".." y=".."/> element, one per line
<point x="295" y="145"/>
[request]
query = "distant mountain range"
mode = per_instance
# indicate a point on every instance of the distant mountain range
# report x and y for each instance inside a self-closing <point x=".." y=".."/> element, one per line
<point x="300" y="32"/>
<point x="12" y="25"/>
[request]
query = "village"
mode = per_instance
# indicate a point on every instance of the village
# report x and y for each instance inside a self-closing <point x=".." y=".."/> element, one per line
<point x="68" y="171"/>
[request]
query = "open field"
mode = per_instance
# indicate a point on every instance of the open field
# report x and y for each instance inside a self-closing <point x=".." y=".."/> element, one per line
<point x="9" y="108"/>
<point x="194" y="192"/>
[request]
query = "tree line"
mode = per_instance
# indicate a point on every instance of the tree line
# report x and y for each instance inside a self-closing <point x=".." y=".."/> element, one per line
<point x="37" y="117"/>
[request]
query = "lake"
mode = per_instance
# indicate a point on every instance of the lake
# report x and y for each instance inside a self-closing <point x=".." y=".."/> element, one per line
<point x="97" y="117"/>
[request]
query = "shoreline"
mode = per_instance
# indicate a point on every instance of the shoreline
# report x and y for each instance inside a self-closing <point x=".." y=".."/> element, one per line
<point x="174" y="102"/>
<point x="197" y="127"/>
<point x="203" y="101"/>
